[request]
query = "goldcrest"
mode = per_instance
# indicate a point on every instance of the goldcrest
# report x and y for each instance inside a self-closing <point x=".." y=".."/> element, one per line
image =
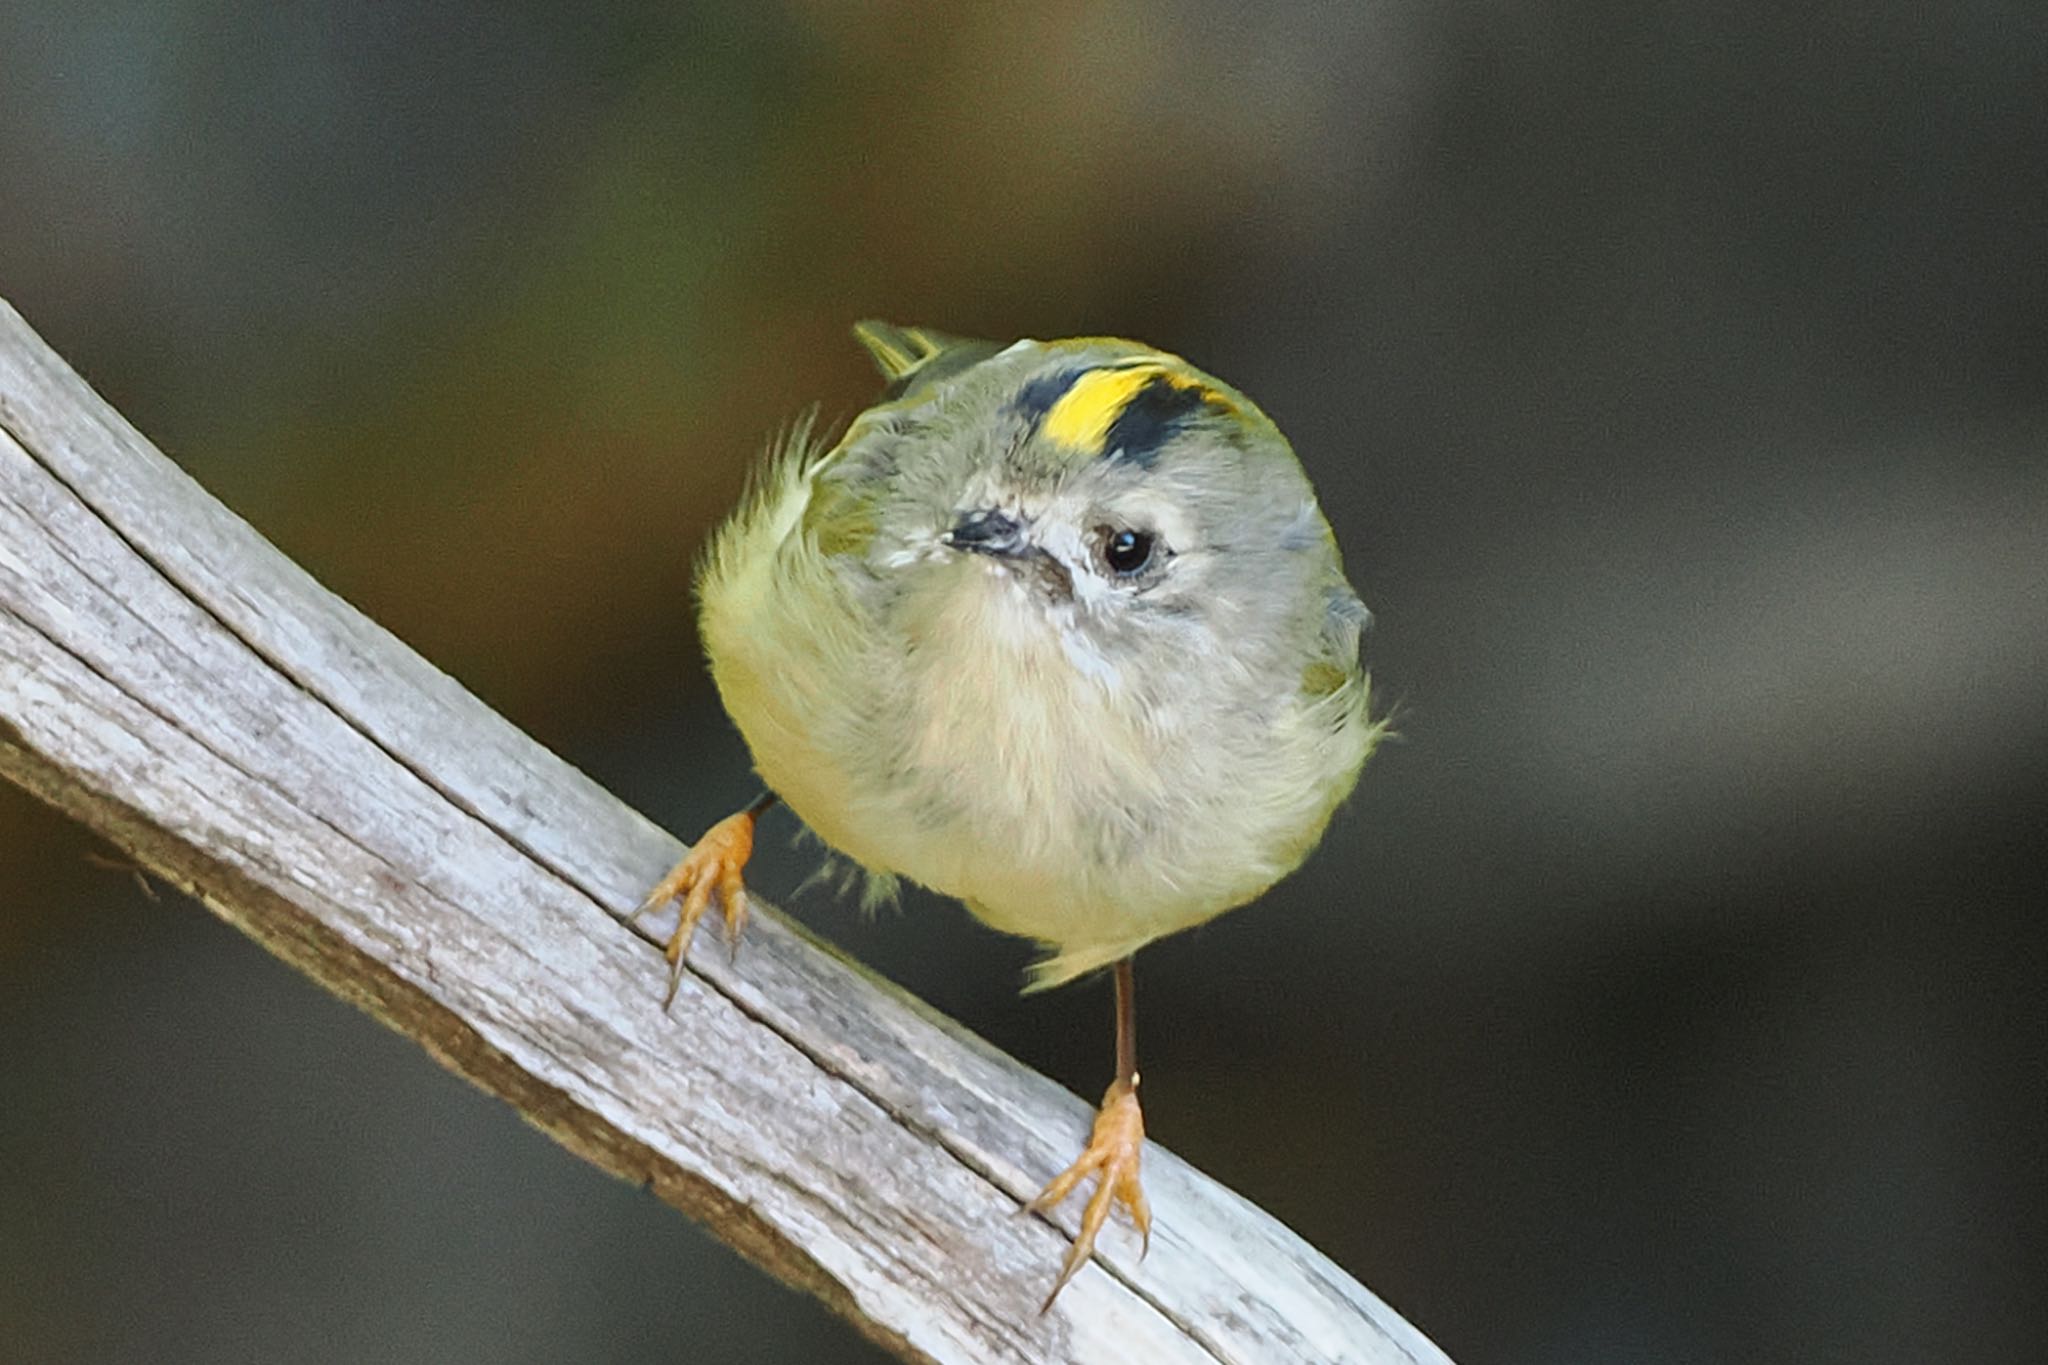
<point x="1055" y="628"/>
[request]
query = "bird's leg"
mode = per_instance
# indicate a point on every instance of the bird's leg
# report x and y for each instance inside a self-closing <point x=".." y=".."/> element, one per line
<point x="1113" y="1148"/>
<point x="713" y="866"/>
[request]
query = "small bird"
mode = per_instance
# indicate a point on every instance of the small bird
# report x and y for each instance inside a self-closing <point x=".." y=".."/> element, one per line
<point x="1057" y="629"/>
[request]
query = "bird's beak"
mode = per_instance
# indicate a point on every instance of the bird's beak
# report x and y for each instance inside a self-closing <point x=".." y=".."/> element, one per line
<point x="989" y="532"/>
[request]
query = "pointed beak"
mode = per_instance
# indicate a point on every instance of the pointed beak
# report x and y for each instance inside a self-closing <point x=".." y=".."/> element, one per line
<point x="989" y="532"/>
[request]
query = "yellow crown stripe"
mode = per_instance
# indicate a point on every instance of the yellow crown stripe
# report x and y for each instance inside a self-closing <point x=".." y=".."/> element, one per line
<point x="1085" y="413"/>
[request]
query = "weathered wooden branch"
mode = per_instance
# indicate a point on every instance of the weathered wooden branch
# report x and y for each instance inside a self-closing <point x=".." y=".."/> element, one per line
<point x="170" y="679"/>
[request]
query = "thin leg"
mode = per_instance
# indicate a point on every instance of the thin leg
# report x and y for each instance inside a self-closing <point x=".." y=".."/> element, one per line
<point x="712" y="867"/>
<point x="1127" y="1022"/>
<point x="1113" y="1149"/>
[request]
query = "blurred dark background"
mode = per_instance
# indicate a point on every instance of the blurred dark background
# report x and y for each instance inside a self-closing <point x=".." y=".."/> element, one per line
<point x="1676" y="378"/>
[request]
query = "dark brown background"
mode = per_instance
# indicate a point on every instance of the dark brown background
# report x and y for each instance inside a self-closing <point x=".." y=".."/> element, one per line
<point x="1676" y="378"/>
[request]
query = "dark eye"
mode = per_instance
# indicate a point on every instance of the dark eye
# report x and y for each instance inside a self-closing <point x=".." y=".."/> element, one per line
<point x="1126" y="552"/>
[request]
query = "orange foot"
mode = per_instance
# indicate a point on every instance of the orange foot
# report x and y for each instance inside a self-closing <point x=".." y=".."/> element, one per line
<point x="1112" y="1155"/>
<point x="714" y="864"/>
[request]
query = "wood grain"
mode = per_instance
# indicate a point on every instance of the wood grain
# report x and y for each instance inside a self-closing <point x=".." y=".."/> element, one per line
<point x="170" y="679"/>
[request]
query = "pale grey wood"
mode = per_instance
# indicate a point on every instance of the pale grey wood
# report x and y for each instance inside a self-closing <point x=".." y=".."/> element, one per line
<point x="172" y="680"/>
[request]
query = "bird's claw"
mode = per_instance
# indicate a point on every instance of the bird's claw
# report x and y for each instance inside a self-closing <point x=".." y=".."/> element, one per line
<point x="713" y="867"/>
<point x="1112" y="1155"/>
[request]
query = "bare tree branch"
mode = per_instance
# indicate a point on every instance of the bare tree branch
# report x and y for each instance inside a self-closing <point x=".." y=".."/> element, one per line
<point x="171" y="680"/>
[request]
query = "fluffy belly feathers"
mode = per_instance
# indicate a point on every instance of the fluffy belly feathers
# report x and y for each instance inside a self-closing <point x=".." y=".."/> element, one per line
<point x="978" y="760"/>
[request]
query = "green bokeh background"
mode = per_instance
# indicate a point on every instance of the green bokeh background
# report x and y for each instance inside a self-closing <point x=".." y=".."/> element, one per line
<point x="1675" y="377"/>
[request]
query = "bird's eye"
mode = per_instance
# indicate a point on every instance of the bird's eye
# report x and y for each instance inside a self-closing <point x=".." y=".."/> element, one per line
<point x="1126" y="552"/>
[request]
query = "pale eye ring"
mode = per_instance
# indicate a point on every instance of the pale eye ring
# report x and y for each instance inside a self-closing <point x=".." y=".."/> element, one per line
<point x="1125" y="552"/>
